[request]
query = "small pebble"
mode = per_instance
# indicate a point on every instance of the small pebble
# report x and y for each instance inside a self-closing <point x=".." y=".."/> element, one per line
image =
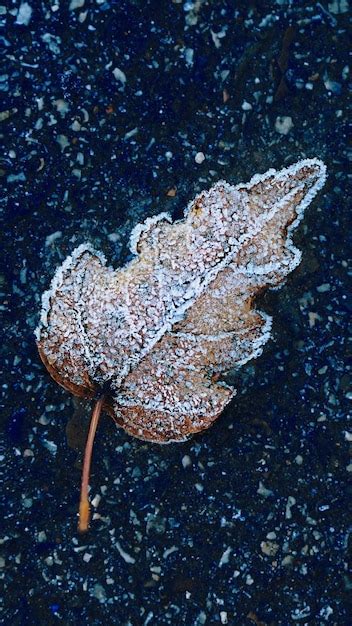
<point x="269" y="548"/>
<point x="199" y="158"/>
<point x="51" y="238"/>
<point x="291" y="501"/>
<point x="119" y="75"/>
<point x="96" y="500"/>
<point x="76" y="4"/>
<point x="271" y="535"/>
<point x="24" y="14"/>
<point x="186" y="461"/>
<point x="283" y="124"/>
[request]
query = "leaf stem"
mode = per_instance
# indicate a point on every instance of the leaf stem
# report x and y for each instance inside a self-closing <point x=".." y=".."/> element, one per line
<point x="84" y="511"/>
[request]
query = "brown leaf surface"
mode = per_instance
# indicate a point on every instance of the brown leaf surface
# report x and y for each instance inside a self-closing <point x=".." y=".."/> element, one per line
<point x="158" y="331"/>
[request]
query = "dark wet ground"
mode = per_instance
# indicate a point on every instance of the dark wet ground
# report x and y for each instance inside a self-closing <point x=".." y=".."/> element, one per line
<point x="247" y="523"/>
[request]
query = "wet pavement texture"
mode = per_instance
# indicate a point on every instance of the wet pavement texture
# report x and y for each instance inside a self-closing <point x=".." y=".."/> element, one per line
<point x="106" y="107"/>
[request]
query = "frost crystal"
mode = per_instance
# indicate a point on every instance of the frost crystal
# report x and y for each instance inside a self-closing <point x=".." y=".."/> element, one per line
<point x="160" y="330"/>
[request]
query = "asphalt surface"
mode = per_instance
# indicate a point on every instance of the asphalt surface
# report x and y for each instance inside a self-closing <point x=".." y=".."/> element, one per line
<point x="106" y="107"/>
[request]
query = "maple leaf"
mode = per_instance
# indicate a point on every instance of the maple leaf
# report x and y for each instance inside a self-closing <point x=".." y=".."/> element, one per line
<point x="153" y="337"/>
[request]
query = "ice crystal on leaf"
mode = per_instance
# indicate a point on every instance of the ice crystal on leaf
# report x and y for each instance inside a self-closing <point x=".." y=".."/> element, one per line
<point x="159" y="331"/>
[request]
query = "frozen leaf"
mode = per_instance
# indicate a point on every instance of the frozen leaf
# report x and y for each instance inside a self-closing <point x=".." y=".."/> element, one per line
<point x="158" y="332"/>
<point x="154" y="337"/>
